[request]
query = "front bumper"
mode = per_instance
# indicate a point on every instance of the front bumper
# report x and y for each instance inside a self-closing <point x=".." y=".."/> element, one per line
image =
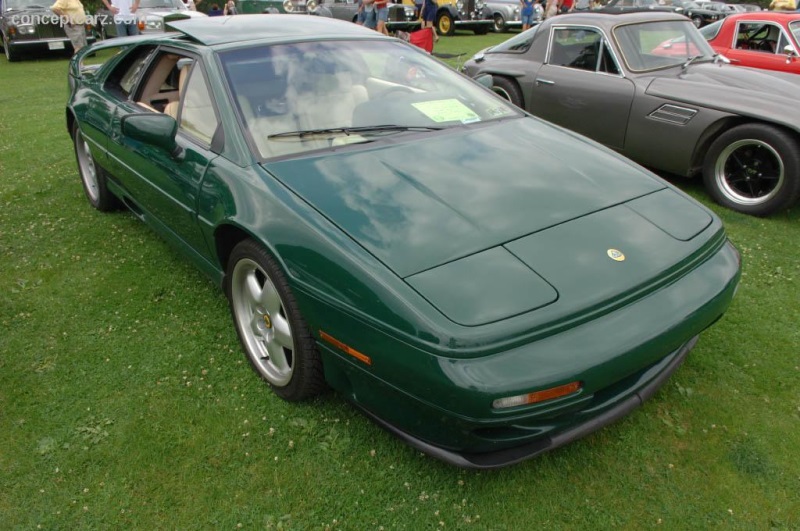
<point x="54" y="44"/>
<point x="648" y="383"/>
<point x="442" y="405"/>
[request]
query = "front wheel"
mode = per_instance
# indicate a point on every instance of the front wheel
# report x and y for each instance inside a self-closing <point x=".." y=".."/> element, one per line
<point x="500" y="24"/>
<point x="753" y="169"/>
<point x="444" y="24"/>
<point x="273" y="333"/>
<point x="11" y="55"/>
<point x="508" y="90"/>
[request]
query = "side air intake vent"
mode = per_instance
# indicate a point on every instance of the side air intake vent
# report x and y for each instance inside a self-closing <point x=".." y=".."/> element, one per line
<point x="673" y="114"/>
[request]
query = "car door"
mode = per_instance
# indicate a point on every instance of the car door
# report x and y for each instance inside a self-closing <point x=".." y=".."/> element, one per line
<point x="164" y="186"/>
<point x="581" y="87"/>
<point x="761" y="44"/>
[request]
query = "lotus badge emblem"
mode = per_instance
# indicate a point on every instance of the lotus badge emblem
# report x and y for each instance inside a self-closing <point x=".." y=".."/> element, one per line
<point x="615" y="255"/>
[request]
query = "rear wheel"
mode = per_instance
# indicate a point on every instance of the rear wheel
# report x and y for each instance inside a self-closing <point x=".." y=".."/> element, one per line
<point x="93" y="177"/>
<point x="753" y="169"/>
<point x="507" y="89"/>
<point x="273" y="333"/>
<point x="444" y="24"/>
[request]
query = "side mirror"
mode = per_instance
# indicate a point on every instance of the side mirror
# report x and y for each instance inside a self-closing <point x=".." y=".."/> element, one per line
<point x="791" y="54"/>
<point x="153" y="129"/>
<point x="486" y="80"/>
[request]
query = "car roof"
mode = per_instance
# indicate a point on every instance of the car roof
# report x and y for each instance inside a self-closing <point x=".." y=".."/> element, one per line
<point x="609" y="20"/>
<point x="212" y="31"/>
<point x="786" y="16"/>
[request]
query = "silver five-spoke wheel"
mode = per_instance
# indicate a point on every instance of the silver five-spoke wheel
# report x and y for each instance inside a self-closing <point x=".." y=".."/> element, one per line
<point x="261" y="316"/>
<point x="273" y="333"/>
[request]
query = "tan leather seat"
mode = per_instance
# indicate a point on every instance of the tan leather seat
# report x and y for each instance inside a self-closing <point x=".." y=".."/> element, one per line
<point x="172" y="107"/>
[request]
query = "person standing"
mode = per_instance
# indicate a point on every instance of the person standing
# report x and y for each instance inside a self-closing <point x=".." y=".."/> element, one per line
<point x="230" y="8"/>
<point x="73" y="16"/>
<point x="382" y="14"/>
<point x="428" y="15"/>
<point x="526" y="13"/>
<point x="124" y="12"/>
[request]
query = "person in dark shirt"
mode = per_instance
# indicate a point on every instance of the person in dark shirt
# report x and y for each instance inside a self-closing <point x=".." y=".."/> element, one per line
<point x="215" y="11"/>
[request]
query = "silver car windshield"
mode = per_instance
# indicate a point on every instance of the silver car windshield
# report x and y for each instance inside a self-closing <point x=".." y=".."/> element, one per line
<point x="313" y="95"/>
<point x="663" y="44"/>
<point x="794" y="26"/>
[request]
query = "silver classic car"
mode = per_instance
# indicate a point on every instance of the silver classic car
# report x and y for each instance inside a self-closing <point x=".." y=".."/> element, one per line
<point x="649" y="86"/>
<point x="152" y="16"/>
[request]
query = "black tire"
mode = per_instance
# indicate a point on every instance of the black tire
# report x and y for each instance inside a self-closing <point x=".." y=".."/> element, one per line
<point x="93" y="177"/>
<point x="753" y="169"/>
<point x="500" y="24"/>
<point x="275" y="337"/>
<point x="508" y="89"/>
<point x="445" y="25"/>
<point x="482" y="30"/>
<point x="697" y="21"/>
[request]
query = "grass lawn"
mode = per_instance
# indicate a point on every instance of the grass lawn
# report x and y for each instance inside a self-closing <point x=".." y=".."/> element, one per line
<point x="125" y="400"/>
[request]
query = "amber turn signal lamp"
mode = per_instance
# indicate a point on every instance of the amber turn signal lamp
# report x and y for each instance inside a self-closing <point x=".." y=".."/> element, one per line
<point x="345" y="348"/>
<point x="538" y="396"/>
<point x="140" y="25"/>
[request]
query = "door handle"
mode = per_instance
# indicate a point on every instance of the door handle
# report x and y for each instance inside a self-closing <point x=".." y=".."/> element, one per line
<point x="545" y="82"/>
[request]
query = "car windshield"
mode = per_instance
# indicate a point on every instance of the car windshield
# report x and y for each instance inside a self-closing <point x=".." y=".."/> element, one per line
<point x="518" y="43"/>
<point x="313" y="95"/>
<point x="663" y="44"/>
<point x="162" y="4"/>
<point x="711" y="30"/>
<point x="794" y="26"/>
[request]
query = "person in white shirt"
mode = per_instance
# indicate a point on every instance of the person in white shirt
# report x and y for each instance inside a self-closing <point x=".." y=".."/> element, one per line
<point x="124" y="12"/>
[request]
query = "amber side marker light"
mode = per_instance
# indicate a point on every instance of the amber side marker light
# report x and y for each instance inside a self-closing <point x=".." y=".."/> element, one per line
<point x="140" y="25"/>
<point x="538" y="396"/>
<point x="345" y="348"/>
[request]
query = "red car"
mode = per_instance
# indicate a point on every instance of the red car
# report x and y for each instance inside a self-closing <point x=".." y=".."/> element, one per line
<point x="760" y="39"/>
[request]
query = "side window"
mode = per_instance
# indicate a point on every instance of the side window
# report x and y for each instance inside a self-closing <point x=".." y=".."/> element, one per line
<point x="758" y="37"/>
<point x="160" y="89"/>
<point x="123" y="78"/>
<point x="197" y="116"/>
<point x="582" y="49"/>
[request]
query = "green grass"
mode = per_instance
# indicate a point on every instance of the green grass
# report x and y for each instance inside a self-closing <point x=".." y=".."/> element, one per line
<point x="125" y="400"/>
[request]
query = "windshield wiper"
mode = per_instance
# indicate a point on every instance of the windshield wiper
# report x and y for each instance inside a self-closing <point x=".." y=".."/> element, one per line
<point x="691" y="60"/>
<point x="353" y="130"/>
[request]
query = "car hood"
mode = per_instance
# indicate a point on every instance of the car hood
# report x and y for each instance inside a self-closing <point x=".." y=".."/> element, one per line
<point x="418" y="201"/>
<point x="735" y="89"/>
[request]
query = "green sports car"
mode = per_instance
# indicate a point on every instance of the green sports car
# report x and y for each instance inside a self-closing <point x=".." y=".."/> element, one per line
<point x="483" y="284"/>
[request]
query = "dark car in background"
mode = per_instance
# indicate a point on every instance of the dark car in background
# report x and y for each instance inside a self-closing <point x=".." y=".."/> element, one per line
<point x="649" y="86"/>
<point x="28" y="27"/>
<point x="699" y="13"/>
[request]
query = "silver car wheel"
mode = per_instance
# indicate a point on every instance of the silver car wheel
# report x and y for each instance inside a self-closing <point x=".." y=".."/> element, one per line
<point x="502" y="93"/>
<point x="749" y="172"/>
<point x="87" y="167"/>
<point x="263" y="322"/>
